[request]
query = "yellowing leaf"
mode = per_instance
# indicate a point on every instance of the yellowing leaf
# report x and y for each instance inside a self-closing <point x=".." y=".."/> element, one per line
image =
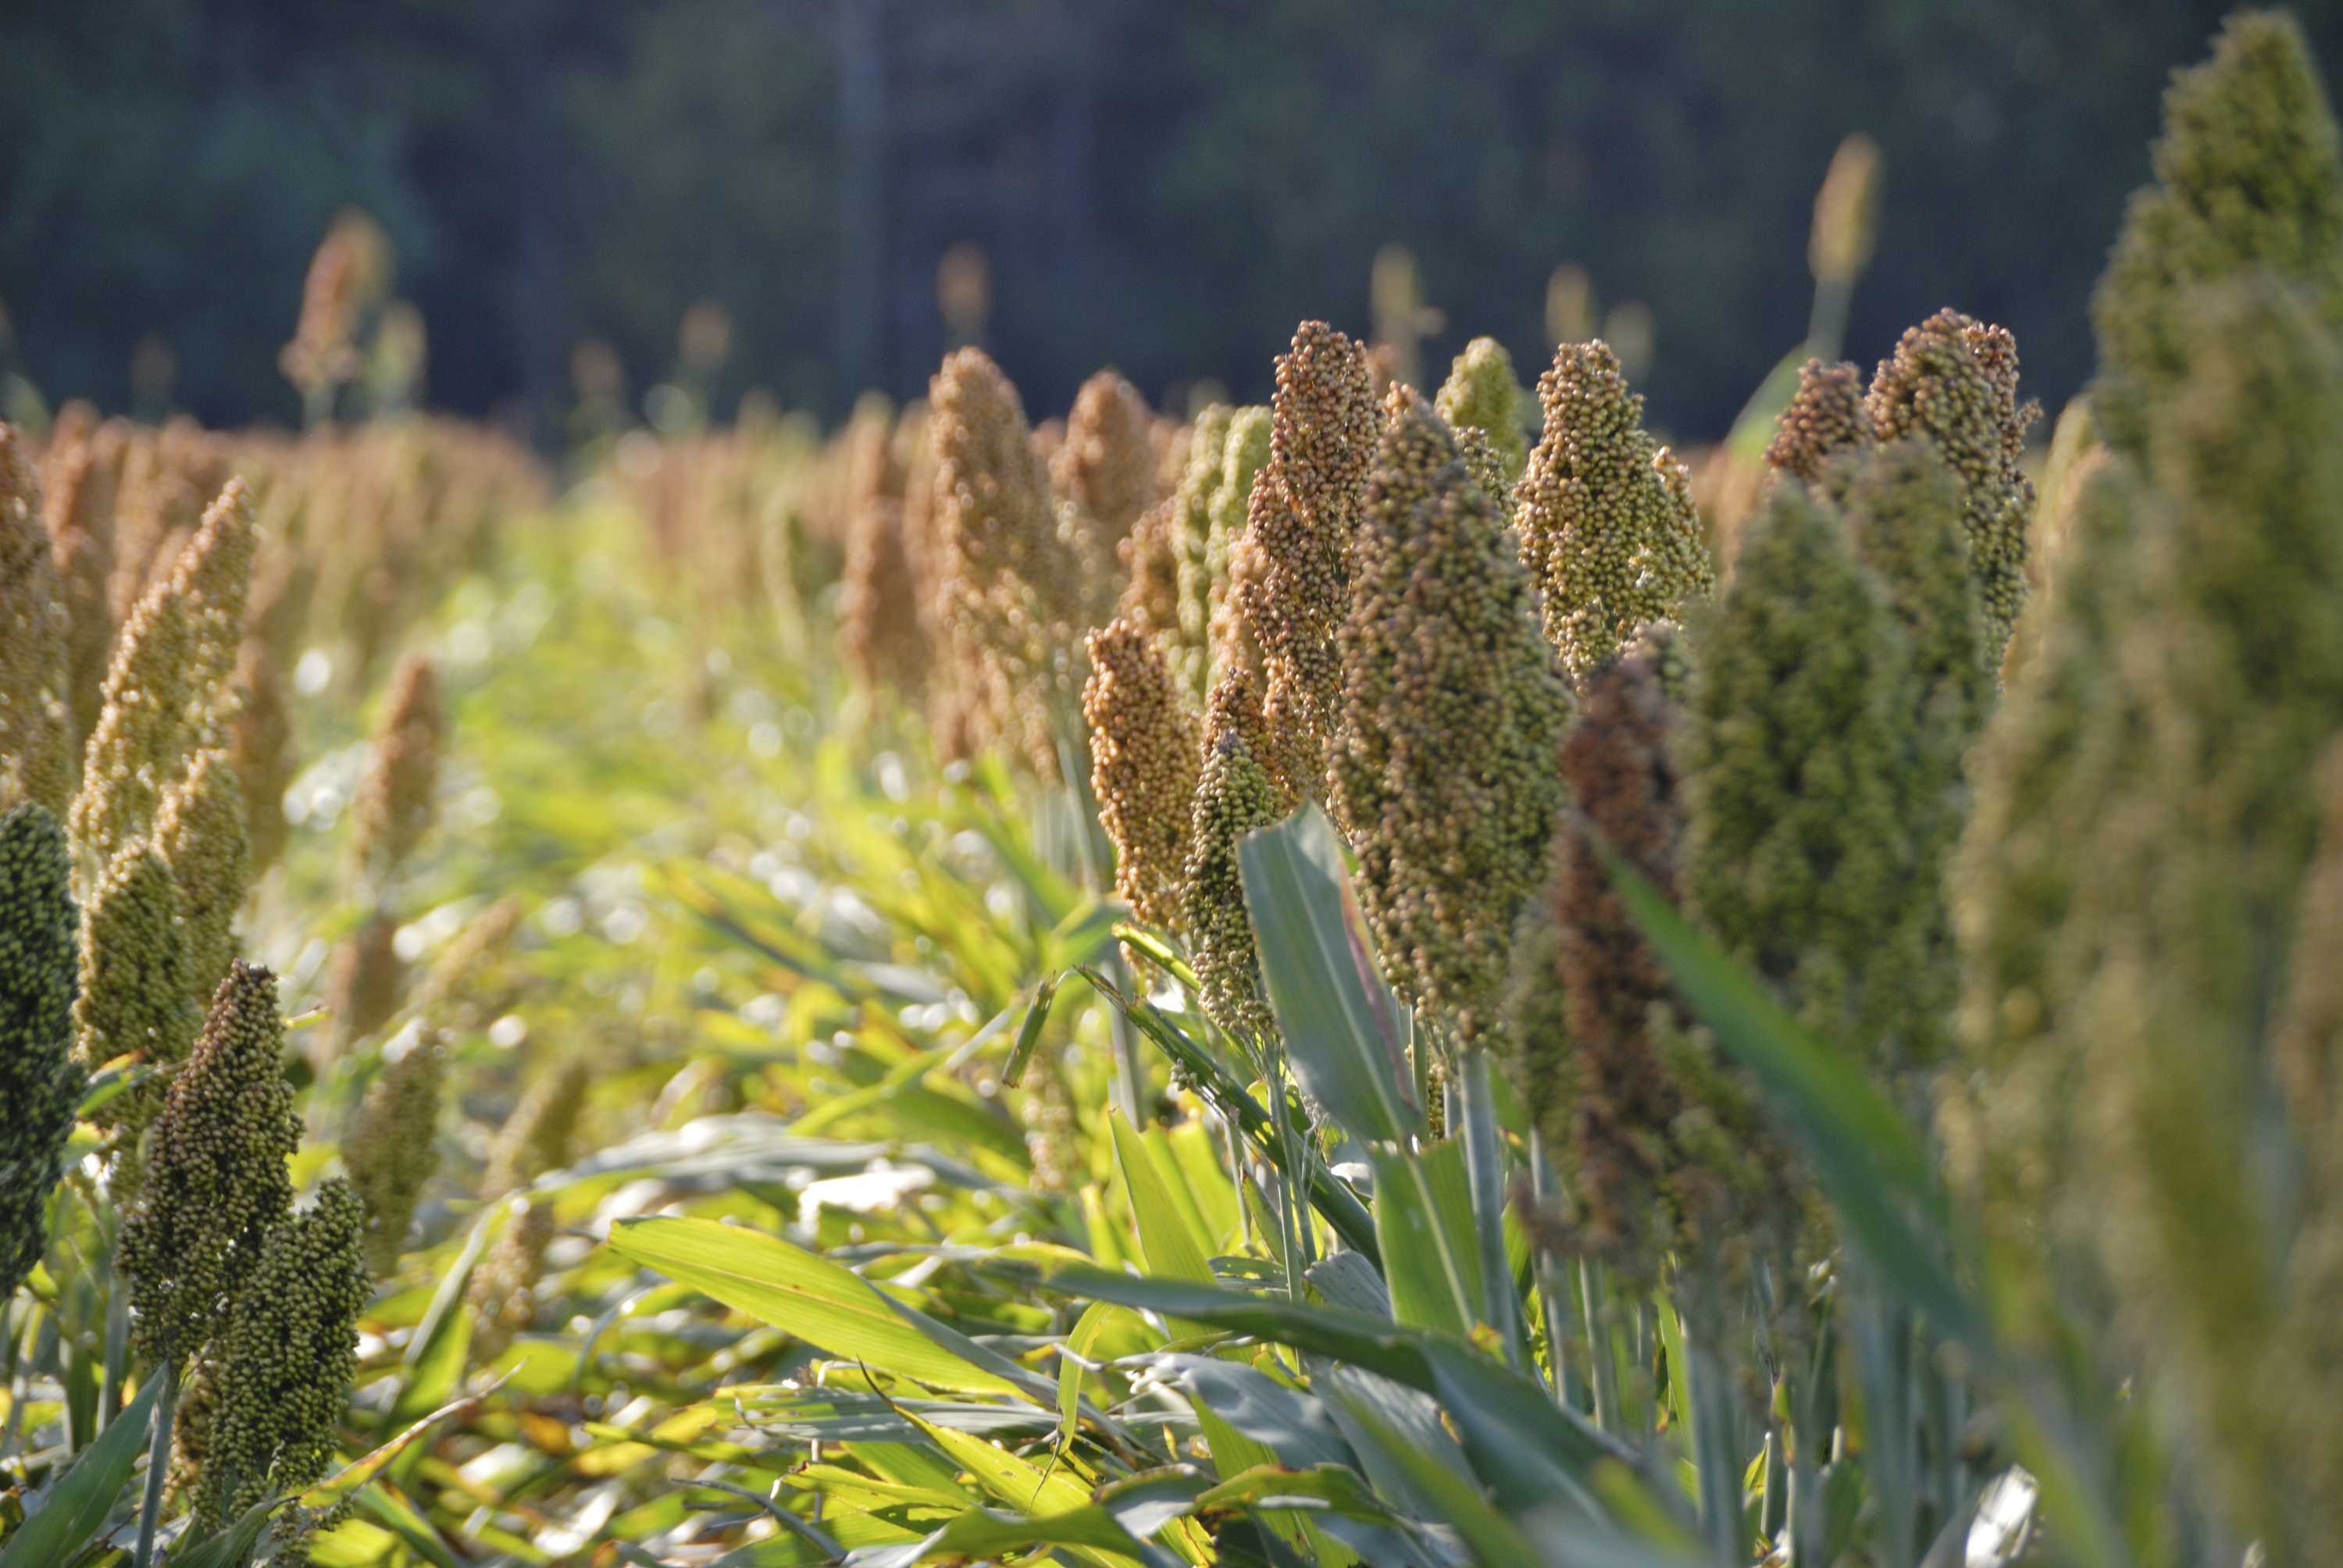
<point x="792" y="1289"/>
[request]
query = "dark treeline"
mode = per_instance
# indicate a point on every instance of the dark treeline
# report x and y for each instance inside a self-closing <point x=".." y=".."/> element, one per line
<point x="1163" y="184"/>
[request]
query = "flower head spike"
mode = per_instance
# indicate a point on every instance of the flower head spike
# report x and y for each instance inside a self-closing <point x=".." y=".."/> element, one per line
<point x="36" y="671"/>
<point x="1144" y="753"/>
<point x="500" y="1298"/>
<point x="881" y="631"/>
<point x="285" y="1366"/>
<point x="40" y="1083"/>
<point x="213" y="577"/>
<point x="2132" y="879"/>
<point x="1013" y="586"/>
<point x="393" y="1150"/>
<point x="1234" y="566"/>
<point x="1799" y="730"/>
<point x="135" y="749"/>
<point x="1605" y="515"/>
<point x="260" y="748"/>
<point x="1302" y="514"/>
<point x="203" y="836"/>
<point x="1106" y="465"/>
<point x="216" y="1179"/>
<point x="1234" y="796"/>
<point x="1955" y="382"/>
<point x="537" y="1137"/>
<point x="2248" y="174"/>
<point x="1442" y="773"/>
<point x="1825" y="419"/>
<point x="364" y="980"/>
<point x="1661" y="1146"/>
<point x="79" y="478"/>
<point x="1481" y="395"/>
<point x="394" y="805"/>
<point x="136" y="980"/>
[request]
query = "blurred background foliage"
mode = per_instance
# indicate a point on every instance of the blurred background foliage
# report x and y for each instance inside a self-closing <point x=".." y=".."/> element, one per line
<point x="1165" y="186"/>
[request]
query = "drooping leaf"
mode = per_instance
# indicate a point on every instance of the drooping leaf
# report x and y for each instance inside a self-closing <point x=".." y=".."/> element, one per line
<point x="793" y="1290"/>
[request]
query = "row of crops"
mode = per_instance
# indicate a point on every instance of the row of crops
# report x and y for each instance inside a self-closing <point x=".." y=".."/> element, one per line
<point x="1384" y="978"/>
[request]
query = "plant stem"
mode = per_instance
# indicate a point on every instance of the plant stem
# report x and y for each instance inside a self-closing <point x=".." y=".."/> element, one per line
<point x="159" y="1465"/>
<point x="1484" y="1174"/>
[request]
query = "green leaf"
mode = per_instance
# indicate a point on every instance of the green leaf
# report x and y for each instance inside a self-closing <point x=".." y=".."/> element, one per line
<point x="1871" y="1164"/>
<point x="1336" y="1203"/>
<point x="1070" y="1371"/>
<point x="1340" y="1023"/>
<point x="792" y="1289"/>
<point x="1173" y="1249"/>
<point x="78" y="1506"/>
<point x="1423" y="1218"/>
<point x="232" y="1547"/>
<point x="1496" y="1541"/>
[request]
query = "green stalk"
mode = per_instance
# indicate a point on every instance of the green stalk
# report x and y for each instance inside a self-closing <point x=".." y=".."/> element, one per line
<point x="1485" y="1173"/>
<point x="1593" y="1291"/>
<point x="159" y="1465"/>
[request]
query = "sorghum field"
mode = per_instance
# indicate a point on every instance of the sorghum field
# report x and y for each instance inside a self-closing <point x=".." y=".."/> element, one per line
<point x="1406" y="977"/>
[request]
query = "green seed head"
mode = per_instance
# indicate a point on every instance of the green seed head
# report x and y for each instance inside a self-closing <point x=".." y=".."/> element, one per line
<point x="284" y="1365"/>
<point x="2248" y="174"/>
<point x="40" y="1083"/>
<point x="1605" y="517"/>
<point x="393" y="1149"/>
<point x="216" y="1181"/>
<point x="1442" y="772"/>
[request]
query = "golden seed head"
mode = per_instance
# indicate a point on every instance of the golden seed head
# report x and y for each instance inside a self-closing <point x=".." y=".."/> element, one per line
<point x="396" y="803"/>
<point x="202" y="834"/>
<point x="1825" y="417"/>
<point x="1955" y="382"/>
<point x="35" y="669"/>
<point x="1145" y="751"/>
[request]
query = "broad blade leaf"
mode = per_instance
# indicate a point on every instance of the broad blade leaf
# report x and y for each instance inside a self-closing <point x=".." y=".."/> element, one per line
<point x="79" y="1505"/>
<point x="1870" y="1162"/>
<point x="1339" y="1021"/>
<point x="793" y="1290"/>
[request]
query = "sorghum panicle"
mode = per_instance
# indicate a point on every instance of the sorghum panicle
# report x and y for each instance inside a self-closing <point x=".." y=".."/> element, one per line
<point x="137" y="976"/>
<point x="1234" y="796"/>
<point x="202" y="835"/>
<point x="1442" y="771"/>
<point x="1302" y="516"/>
<point x="1480" y="395"/>
<point x="285" y="1364"/>
<point x="393" y="1148"/>
<point x="1798" y="731"/>
<point x="35" y="667"/>
<point x="2248" y="174"/>
<point x="41" y="1084"/>
<point x="396" y="805"/>
<point x="260" y="748"/>
<point x="1605" y="516"/>
<point x="1825" y="418"/>
<point x="216" y="1180"/>
<point x="1145" y="751"/>
<point x="1955" y="381"/>
<point x="1106" y="465"/>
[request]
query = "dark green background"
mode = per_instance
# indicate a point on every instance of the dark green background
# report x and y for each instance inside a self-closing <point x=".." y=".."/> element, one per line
<point x="1164" y="185"/>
